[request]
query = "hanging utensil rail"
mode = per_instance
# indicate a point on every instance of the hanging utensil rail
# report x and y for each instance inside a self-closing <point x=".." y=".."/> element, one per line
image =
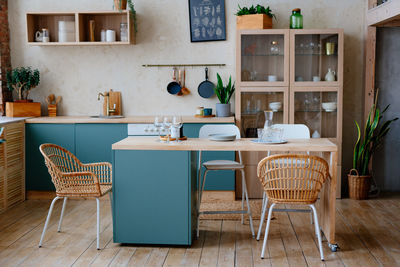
<point x="182" y="65"/>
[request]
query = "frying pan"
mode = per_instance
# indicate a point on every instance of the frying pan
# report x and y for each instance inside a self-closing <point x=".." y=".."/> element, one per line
<point x="206" y="88"/>
<point x="174" y="87"/>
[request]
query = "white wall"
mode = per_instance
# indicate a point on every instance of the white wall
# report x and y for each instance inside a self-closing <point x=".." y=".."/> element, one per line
<point x="79" y="73"/>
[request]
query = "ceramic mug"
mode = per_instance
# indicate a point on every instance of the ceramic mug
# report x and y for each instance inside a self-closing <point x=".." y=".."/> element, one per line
<point x="39" y="36"/>
<point x="272" y="78"/>
<point x="207" y="111"/>
<point x="316" y="78"/>
<point x="110" y="36"/>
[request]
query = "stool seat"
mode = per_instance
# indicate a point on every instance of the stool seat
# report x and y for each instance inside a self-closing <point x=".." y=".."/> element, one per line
<point x="222" y="165"/>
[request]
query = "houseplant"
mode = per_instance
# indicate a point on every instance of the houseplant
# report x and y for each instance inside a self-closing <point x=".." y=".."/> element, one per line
<point x="22" y="80"/>
<point x="254" y="17"/>
<point x="359" y="178"/>
<point x="224" y="94"/>
<point x="120" y="5"/>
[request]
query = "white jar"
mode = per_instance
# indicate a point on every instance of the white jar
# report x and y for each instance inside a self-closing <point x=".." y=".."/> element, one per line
<point x="110" y="36"/>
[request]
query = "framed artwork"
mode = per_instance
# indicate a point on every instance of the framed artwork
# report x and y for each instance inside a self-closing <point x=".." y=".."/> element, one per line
<point x="207" y="20"/>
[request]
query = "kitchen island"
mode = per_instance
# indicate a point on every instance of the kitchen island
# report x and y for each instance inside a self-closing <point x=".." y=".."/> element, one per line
<point x="150" y="209"/>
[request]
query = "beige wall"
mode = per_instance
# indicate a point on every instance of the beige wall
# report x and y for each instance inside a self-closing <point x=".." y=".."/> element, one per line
<point x="79" y="73"/>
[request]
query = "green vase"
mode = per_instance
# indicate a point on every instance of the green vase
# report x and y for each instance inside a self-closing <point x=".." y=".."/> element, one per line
<point x="296" y="19"/>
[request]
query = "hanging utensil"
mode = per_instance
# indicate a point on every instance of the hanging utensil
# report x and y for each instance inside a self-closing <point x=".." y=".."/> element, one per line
<point x="180" y="82"/>
<point x="206" y="88"/>
<point x="184" y="89"/>
<point x="173" y="87"/>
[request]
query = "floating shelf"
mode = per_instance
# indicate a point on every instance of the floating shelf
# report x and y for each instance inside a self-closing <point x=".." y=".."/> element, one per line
<point x="108" y="20"/>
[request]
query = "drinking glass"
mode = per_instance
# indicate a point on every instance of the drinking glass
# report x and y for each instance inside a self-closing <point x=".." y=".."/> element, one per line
<point x="177" y="124"/>
<point x="167" y="122"/>
<point x="158" y="123"/>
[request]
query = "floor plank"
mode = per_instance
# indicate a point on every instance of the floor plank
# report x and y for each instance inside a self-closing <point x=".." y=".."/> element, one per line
<point x="368" y="233"/>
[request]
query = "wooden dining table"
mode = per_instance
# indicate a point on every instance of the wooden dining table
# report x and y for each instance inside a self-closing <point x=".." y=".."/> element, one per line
<point x="323" y="146"/>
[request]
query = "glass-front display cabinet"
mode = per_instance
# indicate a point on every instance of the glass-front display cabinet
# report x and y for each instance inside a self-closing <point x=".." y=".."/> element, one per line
<point x="253" y="104"/>
<point x="316" y="57"/>
<point x="263" y="57"/>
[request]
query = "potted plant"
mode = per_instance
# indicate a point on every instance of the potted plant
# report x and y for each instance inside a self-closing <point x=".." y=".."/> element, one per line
<point x="254" y="17"/>
<point x="120" y="5"/>
<point x="224" y="94"/>
<point x="359" y="178"/>
<point x="22" y="80"/>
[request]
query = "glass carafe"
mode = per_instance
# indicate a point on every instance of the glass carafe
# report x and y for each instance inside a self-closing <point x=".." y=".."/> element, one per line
<point x="269" y="115"/>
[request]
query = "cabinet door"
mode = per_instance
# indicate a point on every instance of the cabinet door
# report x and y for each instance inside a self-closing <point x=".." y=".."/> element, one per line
<point x="316" y="57"/>
<point x="216" y="180"/>
<point x="37" y="176"/>
<point x="93" y="141"/>
<point x="263" y="58"/>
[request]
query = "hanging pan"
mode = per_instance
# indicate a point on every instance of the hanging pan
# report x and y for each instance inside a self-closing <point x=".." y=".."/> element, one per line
<point x="174" y="87"/>
<point x="206" y="88"/>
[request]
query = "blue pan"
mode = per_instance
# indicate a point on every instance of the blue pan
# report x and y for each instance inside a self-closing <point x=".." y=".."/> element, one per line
<point x="174" y="87"/>
<point x="206" y="88"/>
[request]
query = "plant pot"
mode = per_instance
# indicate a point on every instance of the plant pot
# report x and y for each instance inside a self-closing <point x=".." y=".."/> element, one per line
<point x="120" y="5"/>
<point x="27" y="109"/>
<point x="223" y="110"/>
<point x="255" y="21"/>
<point x="358" y="185"/>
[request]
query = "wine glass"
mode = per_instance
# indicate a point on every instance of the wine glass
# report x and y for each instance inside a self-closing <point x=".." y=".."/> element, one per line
<point x="158" y="124"/>
<point x="177" y="124"/>
<point x="167" y="122"/>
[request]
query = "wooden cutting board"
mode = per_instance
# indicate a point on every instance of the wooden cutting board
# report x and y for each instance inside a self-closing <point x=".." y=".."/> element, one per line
<point x="114" y="98"/>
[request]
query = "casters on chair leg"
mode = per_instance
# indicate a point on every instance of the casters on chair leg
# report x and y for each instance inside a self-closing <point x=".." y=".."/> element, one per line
<point x="333" y="247"/>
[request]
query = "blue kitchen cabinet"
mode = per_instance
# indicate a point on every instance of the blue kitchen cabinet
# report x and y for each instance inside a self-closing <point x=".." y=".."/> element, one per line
<point x="215" y="180"/>
<point x="154" y="197"/>
<point x="36" y="173"/>
<point x="93" y="141"/>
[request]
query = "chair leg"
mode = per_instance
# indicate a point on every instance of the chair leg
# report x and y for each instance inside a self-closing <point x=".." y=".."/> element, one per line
<point x="318" y="231"/>
<point x="201" y="188"/>
<point x="62" y="214"/>
<point x="98" y="223"/>
<point x="243" y="181"/>
<point x="248" y="204"/>
<point x="267" y="230"/>
<point x="311" y="217"/>
<point x="264" y="209"/>
<point x="47" y="220"/>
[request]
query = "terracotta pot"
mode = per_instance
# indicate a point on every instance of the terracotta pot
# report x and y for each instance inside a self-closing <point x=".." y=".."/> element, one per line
<point x="120" y="5"/>
<point x="359" y="185"/>
<point x="255" y="21"/>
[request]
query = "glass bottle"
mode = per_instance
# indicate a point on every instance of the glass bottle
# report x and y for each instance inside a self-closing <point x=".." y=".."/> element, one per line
<point x="274" y="48"/>
<point x="124" y="32"/>
<point x="296" y="19"/>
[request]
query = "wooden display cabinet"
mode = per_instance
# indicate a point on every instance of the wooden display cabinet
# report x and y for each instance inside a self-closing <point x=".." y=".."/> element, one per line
<point x="302" y="54"/>
<point x="108" y="20"/>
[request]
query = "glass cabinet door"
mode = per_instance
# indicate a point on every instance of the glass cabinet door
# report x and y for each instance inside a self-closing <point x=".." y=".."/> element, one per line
<point x="263" y="58"/>
<point x="253" y="105"/>
<point x="317" y="110"/>
<point x="316" y="58"/>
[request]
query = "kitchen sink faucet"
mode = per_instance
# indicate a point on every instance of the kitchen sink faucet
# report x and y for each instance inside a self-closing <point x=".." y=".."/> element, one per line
<point x="106" y="97"/>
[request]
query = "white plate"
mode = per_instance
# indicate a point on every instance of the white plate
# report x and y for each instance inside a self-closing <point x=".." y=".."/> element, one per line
<point x="222" y="137"/>
<point x="268" y="142"/>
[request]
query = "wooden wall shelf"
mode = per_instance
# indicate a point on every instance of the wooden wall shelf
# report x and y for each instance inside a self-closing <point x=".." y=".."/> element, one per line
<point x="103" y="20"/>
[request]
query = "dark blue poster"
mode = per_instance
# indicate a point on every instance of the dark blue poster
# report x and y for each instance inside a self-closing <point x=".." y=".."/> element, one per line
<point x="207" y="20"/>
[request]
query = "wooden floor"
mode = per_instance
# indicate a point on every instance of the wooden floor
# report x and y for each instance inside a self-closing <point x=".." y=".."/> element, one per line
<point x="368" y="233"/>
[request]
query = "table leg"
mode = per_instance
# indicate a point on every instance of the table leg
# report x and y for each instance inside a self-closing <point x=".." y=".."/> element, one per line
<point x="328" y="203"/>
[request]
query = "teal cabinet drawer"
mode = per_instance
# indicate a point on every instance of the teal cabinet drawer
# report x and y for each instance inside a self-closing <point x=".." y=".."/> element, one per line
<point x="152" y="197"/>
<point x="36" y="173"/>
<point x="93" y="141"/>
<point x="216" y="180"/>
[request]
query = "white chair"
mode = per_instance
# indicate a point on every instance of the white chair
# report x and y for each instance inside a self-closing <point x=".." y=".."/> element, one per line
<point x="290" y="131"/>
<point x="215" y="165"/>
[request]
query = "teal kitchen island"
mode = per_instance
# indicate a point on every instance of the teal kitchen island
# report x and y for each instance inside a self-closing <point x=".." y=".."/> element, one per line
<point x="155" y="186"/>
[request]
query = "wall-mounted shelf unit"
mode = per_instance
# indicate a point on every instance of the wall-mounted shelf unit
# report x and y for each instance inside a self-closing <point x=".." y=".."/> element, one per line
<point x="108" y="20"/>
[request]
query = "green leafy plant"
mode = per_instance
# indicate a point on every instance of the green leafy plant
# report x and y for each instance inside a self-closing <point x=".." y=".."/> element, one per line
<point x="22" y="80"/>
<point x="133" y="13"/>
<point x="374" y="132"/>
<point x="223" y="93"/>
<point x="259" y="9"/>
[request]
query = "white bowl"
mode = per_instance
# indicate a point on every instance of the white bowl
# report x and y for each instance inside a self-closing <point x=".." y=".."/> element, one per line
<point x="329" y="106"/>
<point x="275" y="106"/>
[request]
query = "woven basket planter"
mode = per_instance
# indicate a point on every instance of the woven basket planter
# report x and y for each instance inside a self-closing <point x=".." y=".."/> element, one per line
<point x="358" y="185"/>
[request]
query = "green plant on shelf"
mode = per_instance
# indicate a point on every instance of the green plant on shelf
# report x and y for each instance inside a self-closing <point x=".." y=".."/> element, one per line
<point x="224" y="93"/>
<point x="22" y="80"/>
<point x="258" y="9"/>
<point x="133" y="14"/>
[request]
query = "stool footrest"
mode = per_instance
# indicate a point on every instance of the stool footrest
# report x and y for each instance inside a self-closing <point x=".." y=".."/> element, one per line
<point x="293" y="210"/>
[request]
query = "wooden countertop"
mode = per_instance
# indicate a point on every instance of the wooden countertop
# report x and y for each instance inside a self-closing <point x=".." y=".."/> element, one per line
<point x="244" y="144"/>
<point x="128" y="119"/>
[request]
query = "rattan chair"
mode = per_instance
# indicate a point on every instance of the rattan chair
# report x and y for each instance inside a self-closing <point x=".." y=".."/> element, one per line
<point x="293" y="179"/>
<point x="72" y="178"/>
